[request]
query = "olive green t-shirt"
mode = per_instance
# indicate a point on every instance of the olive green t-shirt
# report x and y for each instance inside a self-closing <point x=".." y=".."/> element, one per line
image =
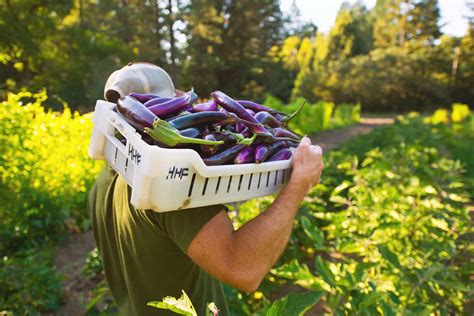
<point x="144" y="252"/>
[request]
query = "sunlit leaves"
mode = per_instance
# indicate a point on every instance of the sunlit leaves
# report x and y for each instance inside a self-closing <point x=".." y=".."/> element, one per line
<point x="182" y="305"/>
<point x="294" y="304"/>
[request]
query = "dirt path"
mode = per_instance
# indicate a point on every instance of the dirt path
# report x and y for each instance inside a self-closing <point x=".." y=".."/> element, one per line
<point x="69" y="262"/>
<point x="331" y="139"/>
<point x="71" y="254"/>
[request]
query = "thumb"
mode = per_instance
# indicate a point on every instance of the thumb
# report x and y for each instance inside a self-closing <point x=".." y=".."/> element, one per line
<point x="305" y="141"/>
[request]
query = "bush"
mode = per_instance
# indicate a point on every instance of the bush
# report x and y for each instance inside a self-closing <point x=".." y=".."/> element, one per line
<point x="28" y="283"/>
<point x="45" y="170"/>
<point x="460" y="112"/>
<point x="386" y="231"/>
<point x="45" y="174"/>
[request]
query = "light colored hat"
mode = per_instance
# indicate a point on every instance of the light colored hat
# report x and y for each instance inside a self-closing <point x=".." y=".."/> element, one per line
<point x="138" y="77"/>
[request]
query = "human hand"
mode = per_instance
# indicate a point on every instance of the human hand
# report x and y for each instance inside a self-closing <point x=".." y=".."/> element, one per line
<point x="307" y="165"/>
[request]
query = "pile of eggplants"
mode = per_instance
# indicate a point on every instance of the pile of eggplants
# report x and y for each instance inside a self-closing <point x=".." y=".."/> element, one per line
<point x="222" y="130"/>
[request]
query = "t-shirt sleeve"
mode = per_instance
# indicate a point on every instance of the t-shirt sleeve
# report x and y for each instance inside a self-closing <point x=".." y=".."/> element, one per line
<point x="182" y="226"/>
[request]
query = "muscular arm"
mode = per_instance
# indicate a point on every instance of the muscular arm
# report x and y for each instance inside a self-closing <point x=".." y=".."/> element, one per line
<point x="242" y="258"/>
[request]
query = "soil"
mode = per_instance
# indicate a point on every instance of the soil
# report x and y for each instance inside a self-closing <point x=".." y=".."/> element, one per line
<point x="72" y="251"/>
<point x="69" y="262"/>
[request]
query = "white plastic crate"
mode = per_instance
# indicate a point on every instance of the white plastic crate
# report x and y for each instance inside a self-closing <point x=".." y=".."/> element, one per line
<point x="165" y="179"/>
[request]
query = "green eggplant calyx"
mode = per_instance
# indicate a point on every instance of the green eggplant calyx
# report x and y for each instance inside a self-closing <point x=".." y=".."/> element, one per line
<point x="241" y="139"/>
<point x="163" y="132"/>
<point x="247" y="141"/>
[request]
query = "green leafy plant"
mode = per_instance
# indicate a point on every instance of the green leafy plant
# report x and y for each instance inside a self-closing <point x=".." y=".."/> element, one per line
<point x="317" y="117"/>
<point x="294" y="304"/>
<point x="385" y="233"/>
<point x="182" y="305"/>
<point x="45" y="172"/>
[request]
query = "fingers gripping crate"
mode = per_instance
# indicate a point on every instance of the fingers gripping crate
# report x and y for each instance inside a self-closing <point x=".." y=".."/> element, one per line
<point x="165" y="179"/>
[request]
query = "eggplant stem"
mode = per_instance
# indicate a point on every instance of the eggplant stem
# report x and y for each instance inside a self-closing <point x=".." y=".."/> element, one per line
<point x="289" y="118"/>
<point x="165" y="133"/>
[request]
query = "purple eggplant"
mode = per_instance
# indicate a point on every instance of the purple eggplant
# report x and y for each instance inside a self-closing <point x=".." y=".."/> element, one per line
<point x="208" y="117"/>
<point x="282" y="132"/>
<point x="224" y="156"/>
<point x="172" y="106"/>
<point x="257" y="107"/>
<point x="199" y="119"/>
<point x="239" y="127"/>
<point x="220" y="135"/>
<point x="246" y="132"/>
<point x="191" y="132"/>
<point x="141" y="97"/>
<point x="249" y="111"/>
<point x="273" y="148"/>
<point x="267" y="119"/>
<point x="157" y="101"/>
<point x="234" y="107"/>
<point x="282" y="154"/>
<point x="209" y="150"/>
<point x="246" y="155"/>
<point x="261" y="153"/>
<point x="206" y="106"/>
<point x="280" y="117"/>
<point x="135" y="113"/>
<point x="270" y="139"/>
<point x="165" y="133"/>
<point x="189" y="109"/>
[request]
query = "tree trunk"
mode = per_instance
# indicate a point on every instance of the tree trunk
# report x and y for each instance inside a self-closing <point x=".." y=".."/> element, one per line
<point x="171" y="20"/>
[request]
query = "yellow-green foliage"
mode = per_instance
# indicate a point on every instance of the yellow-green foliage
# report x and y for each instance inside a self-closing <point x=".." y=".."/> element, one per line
<point x="460" y="112"/>
<point x="319" y="116"/>
<point x="45" y="169"/>
<point x="440" y="116"/>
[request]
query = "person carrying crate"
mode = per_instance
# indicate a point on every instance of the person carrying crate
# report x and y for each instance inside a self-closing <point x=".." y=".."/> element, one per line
<point x="148" y="255"/>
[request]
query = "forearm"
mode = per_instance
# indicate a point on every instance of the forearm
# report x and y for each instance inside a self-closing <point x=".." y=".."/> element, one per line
<point x="259" y="243"/>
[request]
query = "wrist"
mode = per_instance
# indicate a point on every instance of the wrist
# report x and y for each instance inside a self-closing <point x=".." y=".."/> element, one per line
<point x="299" y="187"/>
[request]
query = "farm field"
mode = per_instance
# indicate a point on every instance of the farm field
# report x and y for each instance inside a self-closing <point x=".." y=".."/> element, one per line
<point x="384" y="87"/>
<point x="387" y="231"/>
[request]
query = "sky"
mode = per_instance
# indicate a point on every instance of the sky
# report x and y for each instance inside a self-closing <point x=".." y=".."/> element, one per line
<point x="323" y="13"/>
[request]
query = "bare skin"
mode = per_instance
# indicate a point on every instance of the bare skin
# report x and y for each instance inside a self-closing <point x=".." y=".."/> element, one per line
<point x="242" y="258"/>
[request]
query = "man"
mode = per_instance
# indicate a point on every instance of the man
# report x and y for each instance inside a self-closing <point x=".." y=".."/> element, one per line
<point x="148" y="255"/>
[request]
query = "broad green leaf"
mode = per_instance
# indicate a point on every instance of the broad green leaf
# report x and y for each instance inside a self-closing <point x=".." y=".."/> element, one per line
<point x="323" y="270"/>
<point x="371" y="299"/>
<point x="182" y="306"/>
<point x="350" y="247"/>
<point x="334" y="299"/>
<point x="337" y="199"/>
<point x="293" y="271"/>
<point x="428" y="275"/>
<point x="341" y="187"/>
<point x="453" y="284"/>
<point x="389" y="256"/>
<point x="440" y="223"/>
<point x="294" y="304"/>
<point x="360" y="270"/>
<point x="388" y="310"/>
<point x="313" y="232"/>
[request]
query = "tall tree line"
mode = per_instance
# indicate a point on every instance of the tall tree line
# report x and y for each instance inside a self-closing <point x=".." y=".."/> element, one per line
<point x="70" y="47"/>
<point x="393" y="57"/>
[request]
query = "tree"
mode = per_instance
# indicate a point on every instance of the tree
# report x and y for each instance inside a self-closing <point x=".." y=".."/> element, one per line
<point x="228" y="43"/>
<point x="350" y="36"/>
<point x="401" y="22"/>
